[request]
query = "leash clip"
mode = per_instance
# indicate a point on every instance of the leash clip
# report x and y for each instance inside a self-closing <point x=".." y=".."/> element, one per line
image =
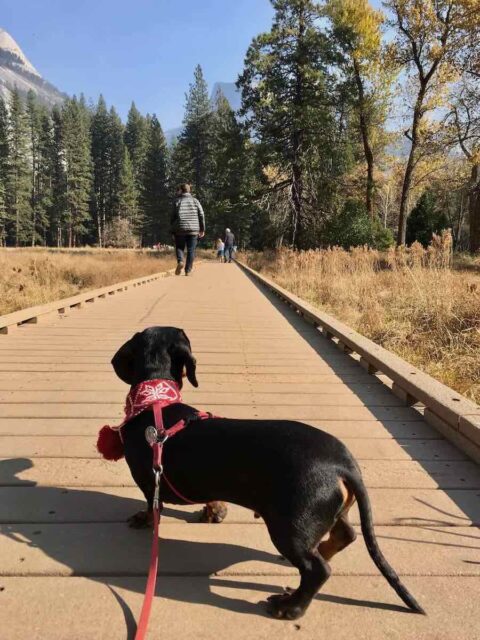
<point x="152" y="436"/>
<point x="162" y="438"/>
<point x="156" y="495"/>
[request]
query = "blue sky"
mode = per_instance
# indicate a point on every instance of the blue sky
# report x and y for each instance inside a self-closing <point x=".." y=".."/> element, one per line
<point x="144" y="50"/>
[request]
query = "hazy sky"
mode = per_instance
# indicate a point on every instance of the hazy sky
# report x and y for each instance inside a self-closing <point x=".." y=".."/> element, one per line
<point x="144" y="50"/>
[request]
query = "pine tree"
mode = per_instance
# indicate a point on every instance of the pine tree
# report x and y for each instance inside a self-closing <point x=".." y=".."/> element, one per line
<point x="18" y="180"/>
<point x="44" y="177"/>
<point x="76" y="141"/>
<point x="284" y="100"/>
<point x="154" y="196"/>
<point x="39" y="128"/>
<point x="58" y="208"/>
<point x="4" y="156"/>
<point x="100" y="132"/>
<point x="193" y="153"/>
<point x="115" y="163"/>
<point x="136" y="141"/>
<point x="128" y="195"/>
<point x="231" y="176"/>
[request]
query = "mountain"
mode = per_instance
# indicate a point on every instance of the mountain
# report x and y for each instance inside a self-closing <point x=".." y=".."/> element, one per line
<point x="172" y="134"/>
<point x="231" y="93"/>
<point x="17" y="71"/>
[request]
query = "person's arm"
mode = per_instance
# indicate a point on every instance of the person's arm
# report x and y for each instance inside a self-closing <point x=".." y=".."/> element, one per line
<point x="174" y="217"/>
<point x="201" y="218"/>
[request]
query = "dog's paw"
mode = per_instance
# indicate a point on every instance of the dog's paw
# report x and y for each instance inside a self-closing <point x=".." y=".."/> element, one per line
<point x="141" y="520"/>
<point x="284" y="605"/>
<point x="214" y="512"/>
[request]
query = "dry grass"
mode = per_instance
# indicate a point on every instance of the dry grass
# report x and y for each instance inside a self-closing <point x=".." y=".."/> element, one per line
<point x="35" y="276"/>
<point x="411" y="302"/>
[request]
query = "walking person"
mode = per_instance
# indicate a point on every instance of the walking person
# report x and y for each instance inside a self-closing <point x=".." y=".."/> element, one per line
<point x="220" y="249"/>
<point x="229" y="244"/>
<point x="188" y="225"/>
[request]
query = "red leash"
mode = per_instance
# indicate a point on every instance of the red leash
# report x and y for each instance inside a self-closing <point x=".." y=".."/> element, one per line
<point x="152" y="435"/>
<point x="152" y="572"/>
<point x="156" y="438"/>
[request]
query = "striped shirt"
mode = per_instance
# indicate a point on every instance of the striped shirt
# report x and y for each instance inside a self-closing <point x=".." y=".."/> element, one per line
<point x="188" y="217"/>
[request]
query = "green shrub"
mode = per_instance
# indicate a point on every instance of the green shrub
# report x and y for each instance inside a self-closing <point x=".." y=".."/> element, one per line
<point x="425" y="220"/>
<point x="354" y="227"/>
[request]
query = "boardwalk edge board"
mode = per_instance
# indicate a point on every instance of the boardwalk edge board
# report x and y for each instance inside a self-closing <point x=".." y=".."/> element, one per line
<point x="31" y="315"/>
<point x="457" y="418"/>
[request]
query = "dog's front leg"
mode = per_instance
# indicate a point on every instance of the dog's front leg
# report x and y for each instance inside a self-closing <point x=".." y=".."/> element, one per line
<point x="145" y="480"/>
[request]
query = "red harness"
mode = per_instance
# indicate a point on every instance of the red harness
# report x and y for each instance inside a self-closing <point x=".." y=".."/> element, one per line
<point x="155" y="394"/>
<point x="141" y="397"/>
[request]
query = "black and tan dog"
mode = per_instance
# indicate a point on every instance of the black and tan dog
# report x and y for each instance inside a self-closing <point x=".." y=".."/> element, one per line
<point x="300" y="480"/>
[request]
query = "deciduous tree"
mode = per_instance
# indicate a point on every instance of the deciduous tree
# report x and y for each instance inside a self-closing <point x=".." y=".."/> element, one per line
<point x="429" y="45"/>
<point x="357" y="34"/>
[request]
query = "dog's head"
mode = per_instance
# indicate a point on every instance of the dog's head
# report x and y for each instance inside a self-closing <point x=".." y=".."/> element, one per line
<point x="157" y="352"/>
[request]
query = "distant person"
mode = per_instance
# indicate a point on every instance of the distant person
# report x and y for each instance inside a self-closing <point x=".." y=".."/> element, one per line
<point x="220" y="249"/>
<point x="188" y="225"/>
<point x="229" y="244"/>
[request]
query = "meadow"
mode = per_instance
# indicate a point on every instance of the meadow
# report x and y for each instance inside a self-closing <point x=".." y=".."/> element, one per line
<point x="30" y="277"/>
<point x="422" y="304"/>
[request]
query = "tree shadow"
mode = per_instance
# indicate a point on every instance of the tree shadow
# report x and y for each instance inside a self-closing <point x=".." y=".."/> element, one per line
<point x="449" y="474"/>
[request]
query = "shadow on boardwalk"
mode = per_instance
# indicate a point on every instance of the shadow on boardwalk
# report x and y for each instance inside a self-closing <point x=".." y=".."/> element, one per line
<point x="79" y="552"/>
<point x="398" y="429"/>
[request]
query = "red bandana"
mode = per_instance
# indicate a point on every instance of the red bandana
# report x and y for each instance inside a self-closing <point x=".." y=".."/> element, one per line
<point x="141" y="397"/>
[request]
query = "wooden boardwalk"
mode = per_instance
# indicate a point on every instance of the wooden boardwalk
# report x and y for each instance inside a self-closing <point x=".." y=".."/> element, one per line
<point x="69" y="566"/>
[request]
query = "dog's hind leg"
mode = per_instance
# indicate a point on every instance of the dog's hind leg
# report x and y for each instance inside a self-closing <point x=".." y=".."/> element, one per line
<point x="214" y="512"/>
<point x="314" y="572"/>
<point x="341" y="535"/>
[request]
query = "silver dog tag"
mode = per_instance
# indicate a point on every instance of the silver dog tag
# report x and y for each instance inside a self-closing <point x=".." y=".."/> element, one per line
<point x="151" y="435"/>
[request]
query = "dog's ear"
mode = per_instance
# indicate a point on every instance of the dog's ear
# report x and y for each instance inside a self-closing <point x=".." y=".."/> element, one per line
<point x="123" y="361"/>
<point x="191" y="368"/>
<point x="182" y="357"/>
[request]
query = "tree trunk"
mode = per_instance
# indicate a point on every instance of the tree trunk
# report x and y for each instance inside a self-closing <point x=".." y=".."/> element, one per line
<point x="403" y="214"/>
<point x="297" y="138"/>
<point x="367" y="147"/>
<point x="297" y="195"/>
<point x="474" y="209"/>
<point x="99" y="229"/>
<point x="409" y="169"/>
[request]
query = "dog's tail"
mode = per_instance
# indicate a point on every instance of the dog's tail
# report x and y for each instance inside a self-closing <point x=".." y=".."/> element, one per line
<point x="355" y="481"/>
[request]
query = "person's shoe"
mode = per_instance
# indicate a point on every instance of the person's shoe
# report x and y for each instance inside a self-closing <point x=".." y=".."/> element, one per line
<point x="179" y="268"/>
<point x="188" y="273"/>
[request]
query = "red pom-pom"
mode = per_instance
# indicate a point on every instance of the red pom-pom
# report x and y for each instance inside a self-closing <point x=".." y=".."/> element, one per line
<point x="109" y="444"/>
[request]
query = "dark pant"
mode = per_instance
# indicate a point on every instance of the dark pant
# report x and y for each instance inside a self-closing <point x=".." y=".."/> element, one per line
<point x="190" y="242"/>
<point x="228" y="253"/>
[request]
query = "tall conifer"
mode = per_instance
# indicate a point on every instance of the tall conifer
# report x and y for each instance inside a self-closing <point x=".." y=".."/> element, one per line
<point x="18" y="180"/>
<point x="76" y="141"/>
<point x="154" y="196"/>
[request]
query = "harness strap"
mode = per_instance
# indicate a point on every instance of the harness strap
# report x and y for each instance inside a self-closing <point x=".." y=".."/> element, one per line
<point x="176" y="491"/>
